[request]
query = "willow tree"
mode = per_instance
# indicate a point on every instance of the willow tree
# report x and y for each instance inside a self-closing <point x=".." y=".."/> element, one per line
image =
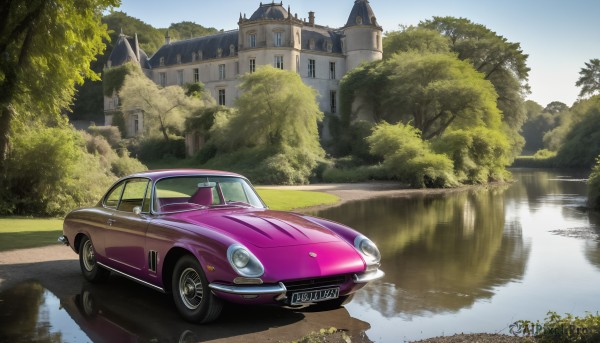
<point x="164" y="107"/>
<point x="46" y="48"/>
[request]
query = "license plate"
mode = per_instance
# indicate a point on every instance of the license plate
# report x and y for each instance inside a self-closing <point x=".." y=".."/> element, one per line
<point x="315" y="296"/>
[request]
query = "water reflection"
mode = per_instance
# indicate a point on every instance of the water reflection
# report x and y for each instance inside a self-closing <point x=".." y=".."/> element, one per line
<point x="122" y="311"/>
<point x="441" y="253"/>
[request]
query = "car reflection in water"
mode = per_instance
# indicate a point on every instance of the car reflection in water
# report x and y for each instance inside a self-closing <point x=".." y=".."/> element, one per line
<point x="100" y="313"/>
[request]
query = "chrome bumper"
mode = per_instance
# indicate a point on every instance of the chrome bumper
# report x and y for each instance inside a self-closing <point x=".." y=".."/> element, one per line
<point x="249" y="290"/>
<point x="368" y="277"/>
<point x="63" y="239"/>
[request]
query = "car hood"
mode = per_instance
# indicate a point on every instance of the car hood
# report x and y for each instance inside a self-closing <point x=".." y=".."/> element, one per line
<point x="262" y="228"/>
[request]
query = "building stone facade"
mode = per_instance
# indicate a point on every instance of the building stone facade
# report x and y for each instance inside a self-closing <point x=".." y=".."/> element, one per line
<point x="270" y="36"/>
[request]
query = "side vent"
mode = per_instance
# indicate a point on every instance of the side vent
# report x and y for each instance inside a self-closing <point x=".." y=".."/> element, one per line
<point x="152" y="258"/>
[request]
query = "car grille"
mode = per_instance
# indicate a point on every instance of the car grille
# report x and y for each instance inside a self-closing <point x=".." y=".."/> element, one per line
<point x="315" y="283"/>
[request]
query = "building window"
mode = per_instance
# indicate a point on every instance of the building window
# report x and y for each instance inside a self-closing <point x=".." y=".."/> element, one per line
<point x="200" y="55"/>
<point x="311" y="44"/>
<point x="116" y="102"/>
<point x="180" y="77"/>
<point x="277" y="38"/>
<point x="162" y="79"/>
<point x="136" y="124"/>
<point x="252" y="40"/>
<point x="333" y="101"/>
<point x="219" y="52"/>
<point x="194" y="57"/>
<point x="196" y="75"/>
<point x="162" y="61"/>
<point x="252" y="65"/>
<point x="232" y="50"/>
<point x="297" y="64"/>
<point x="312" y="69"/>
<point x="222" y="97"/>
<point x="278" y="62"/>
<point x="332" y="75"/>
<point x="178" y="59"/>
<point x="221" y="72"/>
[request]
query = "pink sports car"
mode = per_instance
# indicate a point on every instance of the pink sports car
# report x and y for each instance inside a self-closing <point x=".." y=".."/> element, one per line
<point x="206" y="237"/>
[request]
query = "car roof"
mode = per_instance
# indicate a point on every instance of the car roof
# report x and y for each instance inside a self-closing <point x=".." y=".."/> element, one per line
<point x="159" y="174"/>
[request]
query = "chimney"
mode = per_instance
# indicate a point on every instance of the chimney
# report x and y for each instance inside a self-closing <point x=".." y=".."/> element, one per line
<point x="167" y="38"/>
<point x="311" y="18"/>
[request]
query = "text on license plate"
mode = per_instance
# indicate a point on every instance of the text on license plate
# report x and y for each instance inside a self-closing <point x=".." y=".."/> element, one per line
<point x="314" y="296"/>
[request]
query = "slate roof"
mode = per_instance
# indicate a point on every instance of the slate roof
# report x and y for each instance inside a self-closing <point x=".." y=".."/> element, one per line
<point x="363" y="9"/>
<point x="321" y="36"/>
<point x="123" y="53"/>
<point x="208" y="45"/>
<point x="270" y="11"/>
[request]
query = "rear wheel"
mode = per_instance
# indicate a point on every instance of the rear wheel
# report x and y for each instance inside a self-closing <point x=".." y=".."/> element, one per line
<point x="192" y="296"/>
<point x="87" y="261"/>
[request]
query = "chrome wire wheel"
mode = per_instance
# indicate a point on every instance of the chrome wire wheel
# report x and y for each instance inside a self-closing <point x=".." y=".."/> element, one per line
<point x="190" y="288"/>
<point x="89" y="259"/>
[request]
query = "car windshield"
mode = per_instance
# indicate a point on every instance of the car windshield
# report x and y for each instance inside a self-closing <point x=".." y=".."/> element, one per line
<point x="176" y="194"/>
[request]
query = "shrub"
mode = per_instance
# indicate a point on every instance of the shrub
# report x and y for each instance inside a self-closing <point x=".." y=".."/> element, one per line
<point x="408" y="158"/>
<point x="594" y="187"/>
<point x="49" y="172"/>
<point x="558" y="329"/>
<point x="112" y="134"/>
<point x="157" y="148"/>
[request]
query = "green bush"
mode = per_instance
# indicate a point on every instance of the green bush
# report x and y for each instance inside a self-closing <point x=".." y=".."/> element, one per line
<point x="407" y="158"/>
<point x="479" y="154"/>
<point x="156" y="148"/>
<point x="49" y="172"/>
<point x="559" y="329"/>
<point x="112" y="134"/>
<point x="594" y="187"/>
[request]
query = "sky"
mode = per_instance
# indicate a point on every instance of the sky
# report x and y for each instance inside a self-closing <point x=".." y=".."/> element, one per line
<point x="558" y="35"/>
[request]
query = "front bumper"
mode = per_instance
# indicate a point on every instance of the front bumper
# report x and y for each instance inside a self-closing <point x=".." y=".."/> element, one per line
<point x="280" y="290"/>
<point x="64" y="240"/>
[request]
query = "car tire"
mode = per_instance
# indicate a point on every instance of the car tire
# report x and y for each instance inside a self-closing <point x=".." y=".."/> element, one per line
<point x="193" y="298"/>
<point x="90" y="269"/>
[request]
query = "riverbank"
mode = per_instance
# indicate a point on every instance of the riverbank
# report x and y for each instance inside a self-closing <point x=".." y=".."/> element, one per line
<point x="368" y="190"/>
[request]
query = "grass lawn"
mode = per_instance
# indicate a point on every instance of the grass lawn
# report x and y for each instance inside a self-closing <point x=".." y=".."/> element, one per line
<point x="286" y="200"/>
<point x="21" y="232"/>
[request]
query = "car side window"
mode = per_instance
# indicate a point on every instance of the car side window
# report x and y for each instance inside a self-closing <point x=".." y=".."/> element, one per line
<point x="134" y="195"/>
<point x="112" y="199"/>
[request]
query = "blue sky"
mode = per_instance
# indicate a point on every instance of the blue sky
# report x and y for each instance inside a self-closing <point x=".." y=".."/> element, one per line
<point x="558" y="36"/>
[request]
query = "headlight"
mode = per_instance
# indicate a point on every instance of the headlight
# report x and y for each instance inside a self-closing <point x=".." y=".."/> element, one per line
<point x="244" y="262"/>
<point x="368" y="249"/>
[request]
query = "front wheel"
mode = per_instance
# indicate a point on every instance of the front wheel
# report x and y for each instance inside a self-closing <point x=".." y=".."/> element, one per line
<point x="87" y="261"/>
<point x="192" y="296"/>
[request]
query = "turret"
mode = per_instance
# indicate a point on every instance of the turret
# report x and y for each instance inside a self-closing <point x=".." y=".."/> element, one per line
<point x="363" y="36"/>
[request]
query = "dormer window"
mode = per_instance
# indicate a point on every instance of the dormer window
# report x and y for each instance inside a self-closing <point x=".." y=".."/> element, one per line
<point x="329" y="46"/>
<point x="161" y="62"/>
<point x="200" y="55"/>
<point x="178" y="59"/>
<point x="219" y="52"/>
<point x="359" y="20"/>
<point x="194" y="57"/>
<point x="231" y="50"/>
<point x="311" y="44"/>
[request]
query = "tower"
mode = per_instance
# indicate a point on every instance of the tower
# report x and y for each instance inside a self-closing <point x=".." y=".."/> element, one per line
<point x="362" y="36"/>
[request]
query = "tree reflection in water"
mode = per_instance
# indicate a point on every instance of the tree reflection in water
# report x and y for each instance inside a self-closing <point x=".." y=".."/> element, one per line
<point x="440" y="253"/>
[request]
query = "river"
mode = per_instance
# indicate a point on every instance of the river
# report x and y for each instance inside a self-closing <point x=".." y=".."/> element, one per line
<point x="458" y="262"/>
<point x="477" y="261"/>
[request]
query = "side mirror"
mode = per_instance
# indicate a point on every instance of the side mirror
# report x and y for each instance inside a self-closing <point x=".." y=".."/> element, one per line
<point x="137" y="210"/>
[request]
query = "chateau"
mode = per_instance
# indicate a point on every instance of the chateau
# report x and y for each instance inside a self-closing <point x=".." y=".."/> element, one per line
<point x="270" y="36"/>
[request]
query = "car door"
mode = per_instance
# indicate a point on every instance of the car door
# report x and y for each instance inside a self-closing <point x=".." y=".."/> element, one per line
<point x="125" y="238"/>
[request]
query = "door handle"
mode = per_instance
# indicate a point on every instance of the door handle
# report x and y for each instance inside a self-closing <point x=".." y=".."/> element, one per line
<point x="111" y="221"/>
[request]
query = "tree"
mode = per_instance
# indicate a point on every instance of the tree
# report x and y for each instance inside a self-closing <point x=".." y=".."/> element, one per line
<point x="276" y="108"/>
<point x="46" y="48"/>
<point x="163" y="108"/>
<point x="414" y="39"/>
<point x="188" y="29"/>
<point x="502" y="62"/>
<point x="589" y="79"/>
